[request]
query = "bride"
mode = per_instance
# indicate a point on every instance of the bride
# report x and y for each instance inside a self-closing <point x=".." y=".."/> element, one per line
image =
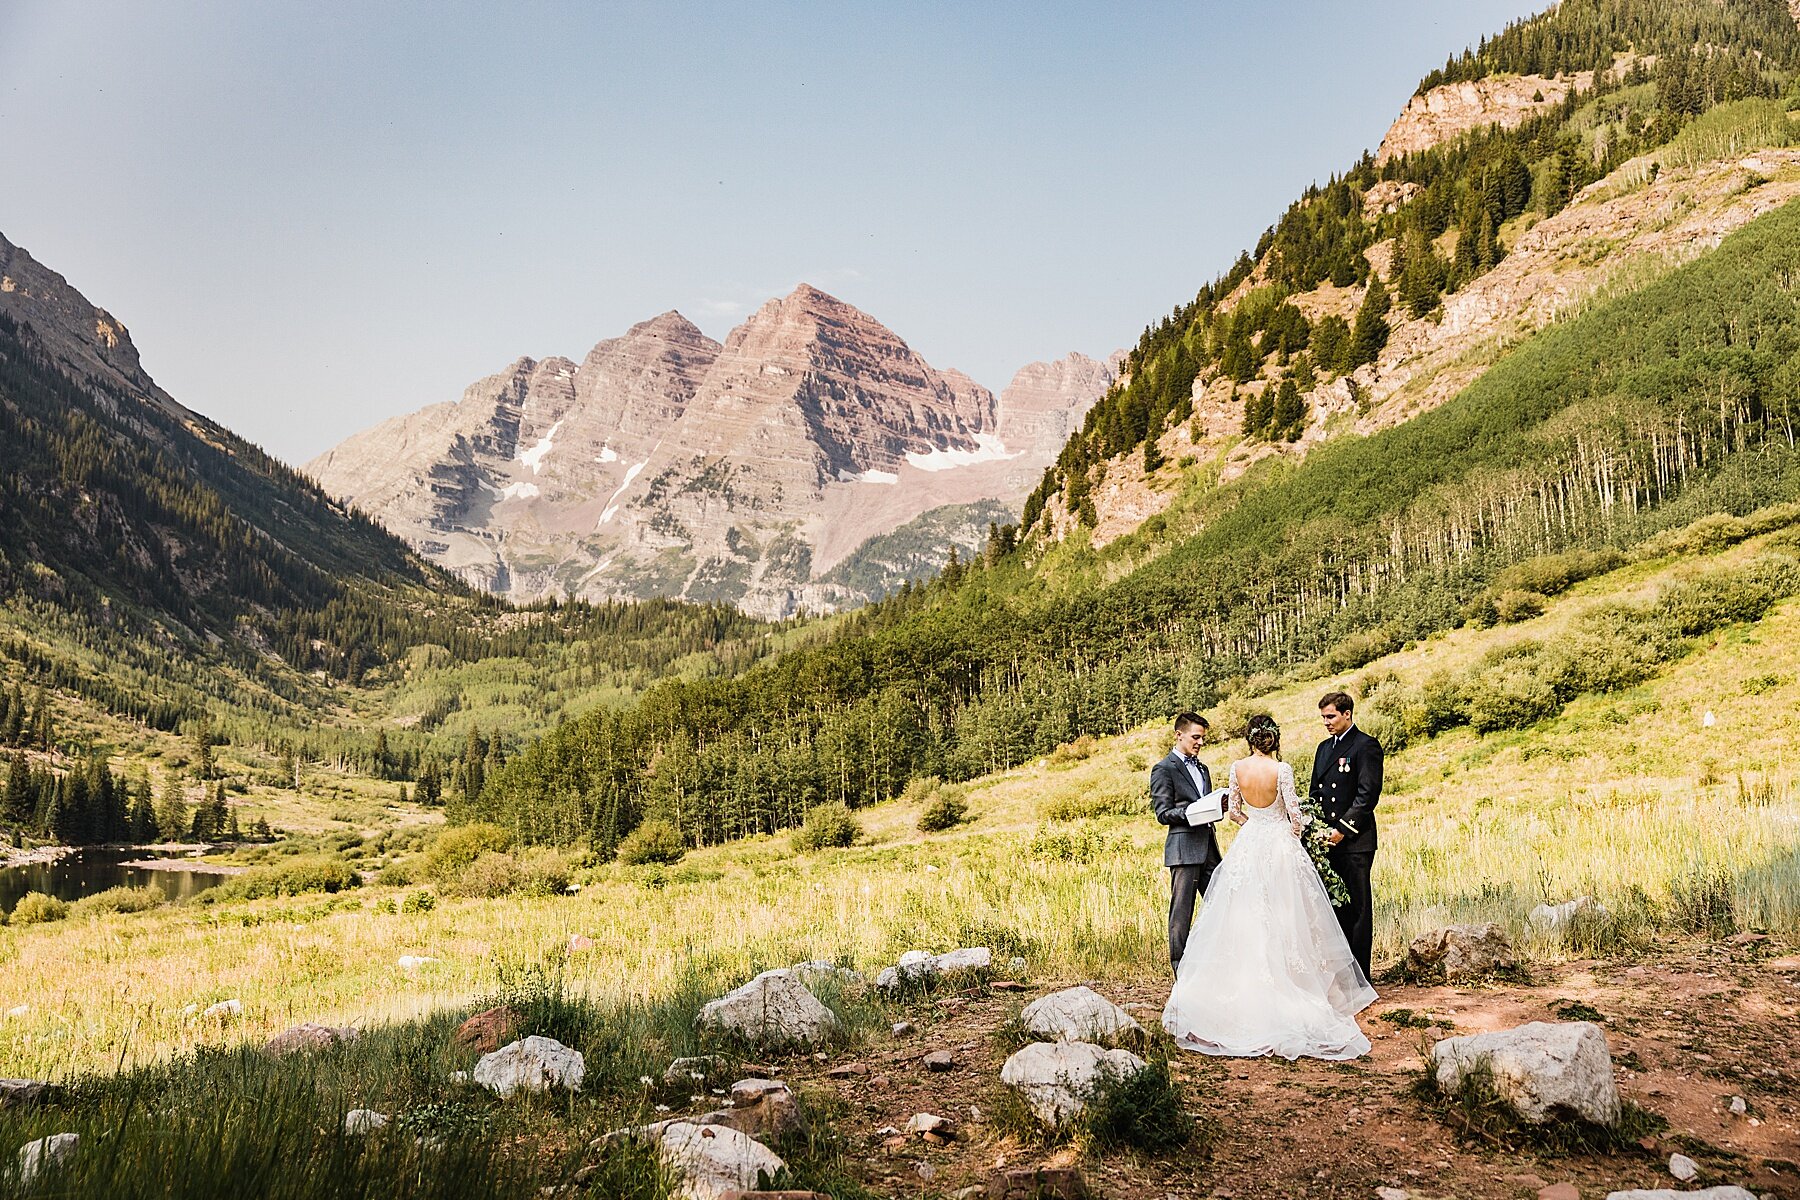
<point x="1267" y="969"/>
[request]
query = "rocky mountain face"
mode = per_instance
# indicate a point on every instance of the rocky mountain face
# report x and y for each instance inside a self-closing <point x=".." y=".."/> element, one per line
<point x="140" y="517"/>
<point x="667" y="464"/>
<point x="1444" y="113"/>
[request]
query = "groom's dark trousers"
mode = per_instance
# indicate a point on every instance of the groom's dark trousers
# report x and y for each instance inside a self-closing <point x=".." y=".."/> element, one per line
<point x="1346" y="781"/>
<point x="1191" y="852"/>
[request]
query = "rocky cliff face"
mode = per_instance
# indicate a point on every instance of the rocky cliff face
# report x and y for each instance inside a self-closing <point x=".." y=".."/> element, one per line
<point x="1443" y="113"/>
<point x="668" y="464"/>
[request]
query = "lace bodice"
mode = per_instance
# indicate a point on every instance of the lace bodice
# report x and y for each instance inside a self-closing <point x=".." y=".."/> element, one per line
<point x="1287" y="800"/>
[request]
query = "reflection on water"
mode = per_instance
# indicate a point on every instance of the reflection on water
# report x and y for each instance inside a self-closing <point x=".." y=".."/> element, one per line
<point x="93" y="870"/>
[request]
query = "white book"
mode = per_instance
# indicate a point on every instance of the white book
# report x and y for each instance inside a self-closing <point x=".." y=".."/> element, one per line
<point x="1208" y="808"/>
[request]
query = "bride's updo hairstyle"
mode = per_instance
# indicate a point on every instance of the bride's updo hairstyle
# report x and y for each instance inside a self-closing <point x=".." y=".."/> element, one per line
<point x="1264" y="735"/>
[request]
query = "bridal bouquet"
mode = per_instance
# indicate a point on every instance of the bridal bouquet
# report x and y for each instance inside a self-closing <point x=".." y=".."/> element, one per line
<point x="1315" y="838"/>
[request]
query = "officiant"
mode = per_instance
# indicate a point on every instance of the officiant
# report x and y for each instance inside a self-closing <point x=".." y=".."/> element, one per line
<point x="1191" y="852"/>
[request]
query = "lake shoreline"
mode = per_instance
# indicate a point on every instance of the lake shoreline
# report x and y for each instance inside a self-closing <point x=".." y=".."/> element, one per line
<point x="37" y="856"/>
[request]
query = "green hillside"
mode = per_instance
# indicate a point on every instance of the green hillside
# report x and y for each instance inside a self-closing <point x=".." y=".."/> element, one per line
<point x="1643" y="414"/>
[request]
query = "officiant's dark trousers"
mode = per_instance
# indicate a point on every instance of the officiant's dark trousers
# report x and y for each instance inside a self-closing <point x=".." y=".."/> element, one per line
<point x="1186" y="884"/>
<point x="1357" y="918"/>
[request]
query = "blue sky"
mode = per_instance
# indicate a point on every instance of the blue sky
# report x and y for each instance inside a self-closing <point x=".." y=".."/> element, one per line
<point x="315" y="216"/>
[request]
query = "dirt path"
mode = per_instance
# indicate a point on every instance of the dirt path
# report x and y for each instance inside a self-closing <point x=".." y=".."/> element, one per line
<point x="1688" y="1031"/>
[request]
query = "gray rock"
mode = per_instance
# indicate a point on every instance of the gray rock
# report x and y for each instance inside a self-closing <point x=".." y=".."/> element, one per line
<point x="307" y="1036"/>
<point x="1554" y="918"/>
<point x="1460" y="952"/>
<point x="1537" y="1067"/>
<point x="702" y="1069"/>
<point x="970" y="958"/>
<point x="1711" y="1193"/>
<point x="20" y="1092"/>
<point x="711" y="1160"/>
<point x="940" y="1060"/>
<point x="533" y="1064"/>
<point x="904" y="1028"/>
<point x="775" y="1007"/>
<point x="1078" y="1014"/>
<point x="363" y="1120"/>
<point x="818" y="971"/>
<point x="1682" y="1167"/>
<point x="1056" y="1079"/>
<point x="39" y="1156"/>
<point x="223" y="1010"/>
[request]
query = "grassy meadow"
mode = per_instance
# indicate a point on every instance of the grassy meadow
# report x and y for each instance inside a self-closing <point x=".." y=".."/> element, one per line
<point x="1673" y="802"/>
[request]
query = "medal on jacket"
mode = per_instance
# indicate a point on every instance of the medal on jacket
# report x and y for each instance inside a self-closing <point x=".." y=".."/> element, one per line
<point x="1344" y="764"/>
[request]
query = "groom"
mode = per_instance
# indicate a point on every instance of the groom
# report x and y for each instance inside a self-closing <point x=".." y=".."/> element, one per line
<point x="1346" y="781"/>
<point x="1191" y="852"/>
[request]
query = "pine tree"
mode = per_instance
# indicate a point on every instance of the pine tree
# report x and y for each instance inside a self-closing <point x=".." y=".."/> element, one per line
<point x="1257" y="411"/>
<point x="12" y="716"/>
<point x="1153" y="456"/>
<point x="429" y="790"/>
<point x="1289" y="414"/>
<point x="17" y="802"/>
<point x="1370" y="332"/>
<point x="172" y="810"/>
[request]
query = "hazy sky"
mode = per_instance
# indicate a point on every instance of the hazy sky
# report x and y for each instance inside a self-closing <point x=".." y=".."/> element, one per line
<point x="316" y="215"/>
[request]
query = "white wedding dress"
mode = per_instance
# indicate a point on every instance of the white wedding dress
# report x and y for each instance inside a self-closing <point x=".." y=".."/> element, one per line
<point x="1267" y="969"/>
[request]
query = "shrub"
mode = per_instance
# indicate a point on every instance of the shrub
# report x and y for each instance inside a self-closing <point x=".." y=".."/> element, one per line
<point x="827" y="825"/>
<point x="492" y="874"/>
<point x="1704" y="902"/>
<point x="1552" y="574"/>
<point x="947" y="810"/>
<point x="1364" y="647"/>
<point x="453" y="850"/>
<point x="119" y="900"/>
<point x="418" y="902"/>
<point x="1231" y="720"/>
<point x="655" y="841"/>
<point x="314" y="873"/>
<point x="34" y="908"/>
<point x="1079" y="842"/>
<point x="1510" y="695"/>
<point x="395" y="874"/>
<point x="1073" y="752"/>
<point x="1125" y="800"/>
<point x="1697" y="606"/>
<point x="546" y="872"/>
<point x="1142" y="1109"/>
<point x="1517" y="605"/>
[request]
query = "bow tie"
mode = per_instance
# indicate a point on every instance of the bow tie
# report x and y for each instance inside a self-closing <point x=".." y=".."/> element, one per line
<point x="1190" y="760"/>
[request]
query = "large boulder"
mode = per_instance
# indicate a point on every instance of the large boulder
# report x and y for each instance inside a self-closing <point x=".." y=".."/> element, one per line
<point x="53" y="1151"/>
<point x="1078" y="1014"/>
<point x="969" y="959"/>
<point x="773" y="1008"/>
<point x="1537" y="1068"/>
<point x="1460" y="952"/>
<point x="533" y="1064"/>
<point x="307" y="1036"/>
<point x="1056" y="1079"/>
<point x="713" y="1160"/>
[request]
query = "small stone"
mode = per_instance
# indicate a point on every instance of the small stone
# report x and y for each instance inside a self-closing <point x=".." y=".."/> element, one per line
<point x="18" y="1010"/>
<point x="1392" y="1193"/>
<point x="926" y="1171"/>
<point x="905" y="1029"/>
<point x="1739" y="1108"/>
<point x="748" y="1091"/>
<point x="579" y="942"/>
<point x="1683" y="1168"/>
<point x="1528" y="1180"/>
<point x="1560" y="1191"/>
<point x="931" y="1123"/>
<point x="701" y="1069"/>
<point x="940" y="1060"/>
<point x="223" y="1010"/>
<point x="412" y="962"/>
<point x="363" y="1120"/>
<point x="847" y="1071"/>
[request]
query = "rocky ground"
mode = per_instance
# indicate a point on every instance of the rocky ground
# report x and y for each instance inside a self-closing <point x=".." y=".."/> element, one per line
<point x="1689" y="1030"/>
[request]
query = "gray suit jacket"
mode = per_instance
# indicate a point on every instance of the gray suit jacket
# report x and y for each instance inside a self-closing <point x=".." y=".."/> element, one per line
<point x="1171" y="791"/>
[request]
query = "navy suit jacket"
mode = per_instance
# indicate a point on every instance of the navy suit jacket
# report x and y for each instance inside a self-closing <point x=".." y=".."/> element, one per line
<point x="1346" y="781"/>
